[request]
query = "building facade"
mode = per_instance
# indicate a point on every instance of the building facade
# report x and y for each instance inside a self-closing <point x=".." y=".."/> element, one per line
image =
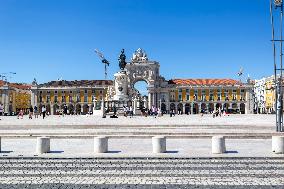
<point x="80" y="97"/>
<point x="187" y="96"/>
<point x="192" y="96"/>
<point x="14" y="97"/>
<point x="264" y="95"/>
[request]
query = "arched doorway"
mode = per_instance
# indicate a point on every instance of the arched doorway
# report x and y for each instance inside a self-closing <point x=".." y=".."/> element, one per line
<point x="144" y="77"/>
<point x="195" y="108"/>
<point x="226" y="107"/>
<point x="48" y="109"/>
<point x="92" y="107"/>
<point x="163" y="108"/>
<point x="71" y="109"/>
<point x="55" y="109"/>
<point x="85" y="109"/>
<point x="173" y="107"/>
<point x="141" y="87"/>
<point x="211" y="107"/>
<point x="203" y="107"/>
<point x="234" y="106"/>
<point x="187" y="108"/>
<point x="78" y="109"/>
<point x="242" y="108"/>
<point x="218" y="105"/>
<point x="180" y="108"/>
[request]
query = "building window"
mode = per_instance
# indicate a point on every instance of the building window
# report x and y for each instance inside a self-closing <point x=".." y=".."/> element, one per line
<point x="219" y="94"/>
<point x="234" y="94"/>
<point x="78" y="98"/>
<point x="226" y="93"/>
<point x="70" y="99"/>
<point x="55" y="99"/>
<point x="86" y="91"/>
<point x="187" y="97"/>
<point x="101" y="92"/>
<point x="203" y="95"/>
<point x="172" y="98"/>
<point x="180" y="90"/>
<point x="71" y="92"/>
<point x="85" y="98"/>
<point x="40" y="99"/>
<point x="63" y="99"/>
<point x="243" y="95"/>
<point x="180" y="97"/>
<point x="47" y="99"/>
<point x="48" y="92"/>
<point x="55" y="92"/>
<point x="93" y="91"/>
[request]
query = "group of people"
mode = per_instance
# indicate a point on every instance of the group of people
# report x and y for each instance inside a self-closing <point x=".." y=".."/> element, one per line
<point x="128" y="110"/>
<point x="218" y="112"/>
<point x="1" y="110"/>
<point x="33" y="111"/>
<point x="153" y="111"/>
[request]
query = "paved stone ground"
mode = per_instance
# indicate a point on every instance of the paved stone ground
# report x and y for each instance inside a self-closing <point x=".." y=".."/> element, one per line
<point x="219" y="173"/>
<point x="178" y="120"/>
<point x="83" y="148"/>
<point x="180" y="125"/>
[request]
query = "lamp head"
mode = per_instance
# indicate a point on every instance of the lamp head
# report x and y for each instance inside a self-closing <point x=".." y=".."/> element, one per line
<point x="278" y="3"/>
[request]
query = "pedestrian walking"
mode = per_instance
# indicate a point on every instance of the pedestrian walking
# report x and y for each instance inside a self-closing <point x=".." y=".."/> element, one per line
<point x="36" y="112"/>
<point x="31" y="110"/>
<point x="1" y="110"/>
<point x="43" y="111"/>
<point x="131" y="111"/>
<point x="124" y="111"/>
<point x="21" y="114"/>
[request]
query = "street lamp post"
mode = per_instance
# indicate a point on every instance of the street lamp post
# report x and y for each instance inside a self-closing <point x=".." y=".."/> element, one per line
<point x="276" y="7"/>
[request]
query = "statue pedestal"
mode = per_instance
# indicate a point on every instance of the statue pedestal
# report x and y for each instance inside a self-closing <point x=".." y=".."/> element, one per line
<point x="120" y="85"/>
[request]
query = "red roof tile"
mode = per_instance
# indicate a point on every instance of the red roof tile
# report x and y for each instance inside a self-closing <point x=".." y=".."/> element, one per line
<point x="204" y="82"/>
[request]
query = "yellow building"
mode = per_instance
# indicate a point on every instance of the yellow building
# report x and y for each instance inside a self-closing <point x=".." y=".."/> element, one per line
<point x="14" y="96"/>
<point x="206" y="95"/>
<point x="79" y="96"/>
<point x="270" y="95"/>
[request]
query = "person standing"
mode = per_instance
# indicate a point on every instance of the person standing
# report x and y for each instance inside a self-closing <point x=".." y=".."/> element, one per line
<point x="21" y="114"/>
<point x="131" y="111"/>
<point x="1" y="110"/>
<point x="36" y="112"/>
<point x="43" y="110"/>
<point x="31" y="110"/>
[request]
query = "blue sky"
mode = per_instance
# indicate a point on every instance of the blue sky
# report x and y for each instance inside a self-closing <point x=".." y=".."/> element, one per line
<point x="49" y="39"/>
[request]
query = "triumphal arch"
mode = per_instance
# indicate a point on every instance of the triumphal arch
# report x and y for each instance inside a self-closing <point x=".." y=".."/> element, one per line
<point x="139" y="69"/>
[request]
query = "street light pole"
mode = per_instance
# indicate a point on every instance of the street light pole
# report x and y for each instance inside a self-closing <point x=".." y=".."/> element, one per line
<point x="275" y="6"/>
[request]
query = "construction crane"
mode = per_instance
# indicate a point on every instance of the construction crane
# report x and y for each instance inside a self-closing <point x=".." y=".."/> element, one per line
<point x="240" y="73"/>
<point x="104" y="61"/>
<point x="5" y="75"/>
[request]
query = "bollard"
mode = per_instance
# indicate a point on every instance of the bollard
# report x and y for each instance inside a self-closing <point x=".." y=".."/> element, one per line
<point x="218" y="145"/>
<point x="159" y="144"/>
<point x="278" y="144"/>
<point x="43" y="145"/>
<point x="100" y="144"/>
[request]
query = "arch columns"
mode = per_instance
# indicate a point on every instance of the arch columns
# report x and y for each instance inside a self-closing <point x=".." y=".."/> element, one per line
<point x="149" y="100"/>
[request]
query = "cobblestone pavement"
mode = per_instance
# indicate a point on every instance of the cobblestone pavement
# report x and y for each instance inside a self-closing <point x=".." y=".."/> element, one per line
<point x="141" y="173"/>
